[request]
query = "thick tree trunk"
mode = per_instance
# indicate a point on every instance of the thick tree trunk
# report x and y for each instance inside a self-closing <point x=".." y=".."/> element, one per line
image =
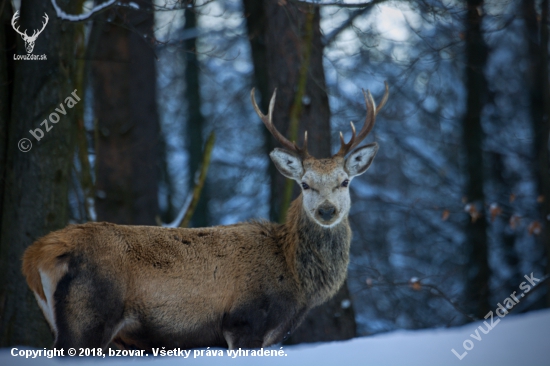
<point x="539" y="95"/>
<point x="276" y="33"/>
<point x="36" y="182"/>
<point x="256" y="24"/>
<point x="195" y="119"/>
<point x="7" y="49"/>
<point x="478" y="271"/>
<point x="124" y="82"/>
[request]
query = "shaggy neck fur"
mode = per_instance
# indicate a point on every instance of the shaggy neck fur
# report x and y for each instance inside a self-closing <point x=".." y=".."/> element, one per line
<point x="318" y="255"/>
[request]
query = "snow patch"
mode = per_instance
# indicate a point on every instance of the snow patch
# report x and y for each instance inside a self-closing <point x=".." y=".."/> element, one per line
<point x="517" y="340"/>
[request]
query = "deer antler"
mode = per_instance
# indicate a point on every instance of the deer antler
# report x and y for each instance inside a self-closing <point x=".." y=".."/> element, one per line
<point x="24" y="34"/>
<point x="13" y="19"/>
<point x="268" y="122"/>
<point x="36" y="33"/>
<point x="372" y="111"/>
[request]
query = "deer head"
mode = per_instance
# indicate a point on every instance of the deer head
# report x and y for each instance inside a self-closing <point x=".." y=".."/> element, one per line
<point x="325" y="182"/>
<point x="29" y="40"/>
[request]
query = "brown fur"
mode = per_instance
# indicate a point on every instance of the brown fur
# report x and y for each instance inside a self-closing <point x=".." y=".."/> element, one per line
<point x="243" y="285"/>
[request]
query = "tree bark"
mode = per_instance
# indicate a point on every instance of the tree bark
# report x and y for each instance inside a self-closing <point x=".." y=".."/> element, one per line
<point x="478" y="271"/>
<point x="256" y="21"/>
<point x="7" y="49"/>
<point x="539" y="95"/>
<point x="195" y="119"/>
<point x="36" y="182"/>
<point x="276" y="37"/>
<point x="124" y="82"/>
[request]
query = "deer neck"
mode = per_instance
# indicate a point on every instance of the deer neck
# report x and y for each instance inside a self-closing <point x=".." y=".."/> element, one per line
<point x="317" y="255"/>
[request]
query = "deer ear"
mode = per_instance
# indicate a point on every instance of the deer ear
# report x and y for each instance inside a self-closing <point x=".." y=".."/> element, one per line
<point x="288" y="163"/>
<point x="359" y="161"/>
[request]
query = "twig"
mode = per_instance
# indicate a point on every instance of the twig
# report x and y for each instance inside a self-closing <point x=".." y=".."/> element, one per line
<point x="357" y="13"/>
<point x="188" y="208"/>
<point x="431" y="287"/>
<point x="454" y="304"/>
<point x="199" y="184"/>
<point x="181" y="214"/>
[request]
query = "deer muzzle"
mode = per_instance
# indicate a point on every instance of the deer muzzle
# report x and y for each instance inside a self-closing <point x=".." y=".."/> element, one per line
<point x="326" y="212"/>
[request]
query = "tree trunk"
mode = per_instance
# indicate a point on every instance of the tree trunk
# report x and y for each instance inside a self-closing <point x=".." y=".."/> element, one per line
<point x="276" y="36"/>
<point x="506" y="238"/>
<point x="195" y="119"/>
<point x="539" y="95"/>
<point x="36" y="182"/>
<point x="256" y="21"/>
<point x="124" y="82"/>
<point x="7" y="49"/>
<point x="478" y="271"/>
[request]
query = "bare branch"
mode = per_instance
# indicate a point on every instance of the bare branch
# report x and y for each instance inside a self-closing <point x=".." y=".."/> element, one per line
<point x="357" y="13"/>
<point x="341" y="5"/>
<point x="81" y="17"/>
<point x="199" y="184"/>
<point x="430" y="287"/>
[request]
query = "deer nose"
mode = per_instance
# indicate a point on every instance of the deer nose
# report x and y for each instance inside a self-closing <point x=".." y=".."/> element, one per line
<point x="326" y="212"/>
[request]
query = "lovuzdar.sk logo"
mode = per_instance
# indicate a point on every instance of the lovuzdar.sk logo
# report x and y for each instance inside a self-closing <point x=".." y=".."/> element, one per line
<point x="29" y="40"/>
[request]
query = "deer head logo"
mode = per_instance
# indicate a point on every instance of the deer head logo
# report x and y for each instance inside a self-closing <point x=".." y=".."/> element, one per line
<point x="29" y="40"/>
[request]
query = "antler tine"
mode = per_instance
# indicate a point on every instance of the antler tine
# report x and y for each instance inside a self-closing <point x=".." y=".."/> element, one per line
<point x="384" y="98"/>
<point x="13" y="19"/>
<point x="36" y="32"/>
<point x="268" y="122"/>
<point x="344" y="148"/>
<point x="369" y="120"/>
<point x="303" y="150"/>
<point x="46" y="19"/>
<point x="372" y="111"/>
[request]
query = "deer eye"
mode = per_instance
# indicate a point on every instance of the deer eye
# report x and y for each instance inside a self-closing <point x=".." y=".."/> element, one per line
<point x="305" y="186"/>
<point x="345" y="183"/>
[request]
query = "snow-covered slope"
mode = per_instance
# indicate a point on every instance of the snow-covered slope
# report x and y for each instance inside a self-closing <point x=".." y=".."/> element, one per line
<point x="514" y="340"/>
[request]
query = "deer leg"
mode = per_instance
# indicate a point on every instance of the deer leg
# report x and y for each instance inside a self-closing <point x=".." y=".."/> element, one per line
<point x="245" y="327"/>
<point x="261" y="322"/>
<point x="88" y="311"/>
<point x="285" y="329"/>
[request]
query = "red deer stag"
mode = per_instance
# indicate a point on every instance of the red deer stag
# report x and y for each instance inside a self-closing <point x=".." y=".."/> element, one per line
<point x="244" y="285"/>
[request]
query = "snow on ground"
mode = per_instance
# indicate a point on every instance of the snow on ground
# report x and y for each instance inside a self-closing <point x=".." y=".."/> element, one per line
<point x="515" y="340"/>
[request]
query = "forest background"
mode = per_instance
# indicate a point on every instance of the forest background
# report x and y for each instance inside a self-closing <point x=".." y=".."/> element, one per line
<point x="450" y="217"/>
